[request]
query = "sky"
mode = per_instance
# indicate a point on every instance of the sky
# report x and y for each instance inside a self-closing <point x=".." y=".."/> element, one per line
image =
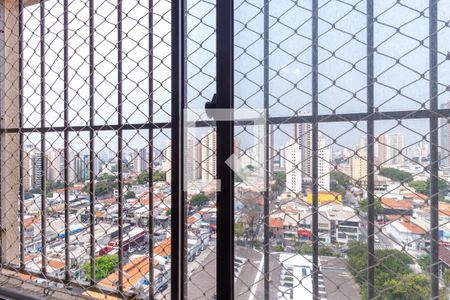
<point x="400" y="60"/>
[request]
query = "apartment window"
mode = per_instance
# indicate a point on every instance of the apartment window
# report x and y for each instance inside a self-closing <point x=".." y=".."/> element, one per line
<point x="206" y="149"/>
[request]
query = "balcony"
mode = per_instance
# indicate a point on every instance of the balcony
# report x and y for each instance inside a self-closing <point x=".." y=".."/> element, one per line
<point x="225" y="150"/>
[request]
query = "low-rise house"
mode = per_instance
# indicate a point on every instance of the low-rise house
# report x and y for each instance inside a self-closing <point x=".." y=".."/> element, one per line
<point x="411" y="235"/>
<point x="393" y="206"/>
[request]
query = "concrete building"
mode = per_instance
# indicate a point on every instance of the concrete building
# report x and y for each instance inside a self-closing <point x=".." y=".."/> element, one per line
<point x="407" y="233"/>
<point x="293" y="163"/>
<point x="324" y="165"/>
<point x="37" y="168"/>
<point x="140" y="160"/>
<point x="75" y="167"/>
<point x="444" y="138"/>
<point x="388" y="147"/>
<point x="55" y="169"/>
<point x="345" y="225"/>
<point x="261" y="136"/>
<point x="358" y="167"/>
<point x="28" y="167"/>
<point x="303" y="137"/>
<point x="209" y="144"/>
<point x="167" y="165"/>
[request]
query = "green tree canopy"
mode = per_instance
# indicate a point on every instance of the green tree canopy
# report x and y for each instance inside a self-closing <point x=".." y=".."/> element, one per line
<point x="396" y="175"/>
<point x="423" y="187"/>
<point x="379" y="209"/>
<point x="199" y="200"/>
<point x="104" y="265"/>
<point x="392" y="267"/>
<point x="304" y="248"/>
<point x="420" y="186"/>
<point x="280" y="182"/>
<point x="424" y="261"/>
<point x="339" y="178"/>
<point x="410" y="287"/>
<point x="130" y="195"/>
<point x="157" y="176"/>
<point x="238" y="229"/>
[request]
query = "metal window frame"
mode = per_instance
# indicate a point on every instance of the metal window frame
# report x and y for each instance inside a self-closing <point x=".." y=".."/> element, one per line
<point x="225" y="69"/>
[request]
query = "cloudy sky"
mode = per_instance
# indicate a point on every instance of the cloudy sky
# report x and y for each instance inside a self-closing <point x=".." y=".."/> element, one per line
<point x="400" y="61"/>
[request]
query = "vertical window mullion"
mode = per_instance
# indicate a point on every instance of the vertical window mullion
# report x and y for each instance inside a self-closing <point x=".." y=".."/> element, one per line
<point x="315" y="139"/>
<point x="224" y="149"/>
<point x="370" y="153"/>
<point x="120" y="141"/>
<point x="150" y="148"/>
<point x="21" y="143"/>
<point x="267" y="158"/>
<point x="66" y="141"/>
<point x="42" y="138"/>
<point x="434" y="158"/>
<point x="178" y="265"/>
<point x="91" y="142"/>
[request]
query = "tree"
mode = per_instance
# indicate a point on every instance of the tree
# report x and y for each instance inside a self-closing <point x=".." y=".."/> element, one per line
<point x="335" y="187"/>
<point x="143" y="177"/>
<point x="304" y="248"/>
<point x="104" y="265"/>
<point x="446" y="277"/>
<point x="423" y="187"/>
<point x="379" y="209"/>
<point x="326" y="251"/>
<point x="424" y="262"/>
<point x="28" y="195"/>
<point x="396" y="175"/>
<point x="157" y="176"/>
<point x="54" y="185"/>
<point x="104" y="186"/>
<point x="420" y="186"/>
<point x="392" y="265"/>
<point x="277" y="248"/>
<point x="339" y="178"/>
<point x="410" y="287"/>
<point x="198" y="200"/>
<point x="280" y="182"/>
<point x="238" y="229"/>
<point x="130" y="195"/>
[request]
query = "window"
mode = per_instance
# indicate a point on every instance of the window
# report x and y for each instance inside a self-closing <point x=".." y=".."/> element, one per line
<point x="226" y="149"/>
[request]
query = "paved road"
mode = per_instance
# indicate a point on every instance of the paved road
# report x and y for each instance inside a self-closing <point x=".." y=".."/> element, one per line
<point x="339" y="283"/>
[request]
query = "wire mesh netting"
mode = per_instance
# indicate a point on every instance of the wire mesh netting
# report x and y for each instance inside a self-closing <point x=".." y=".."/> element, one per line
<point x="340" y="149"/>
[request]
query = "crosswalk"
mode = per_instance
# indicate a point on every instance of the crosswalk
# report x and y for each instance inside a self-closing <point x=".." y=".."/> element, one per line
<point x="380" y="246"/>
<point x="322" y="292"/>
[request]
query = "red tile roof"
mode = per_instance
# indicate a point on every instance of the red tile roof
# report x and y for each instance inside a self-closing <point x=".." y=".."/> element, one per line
<point x="416" y="196"/>
<point x="396" y="204"/>
<point x="393" y="217"/>
<point x="413" y="228"/>
<point x="275" y="223"/>
<point x="444" y="255"/>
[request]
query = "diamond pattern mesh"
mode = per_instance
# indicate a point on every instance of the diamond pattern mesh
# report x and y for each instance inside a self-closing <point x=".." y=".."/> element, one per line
<point x="342" y="192"/>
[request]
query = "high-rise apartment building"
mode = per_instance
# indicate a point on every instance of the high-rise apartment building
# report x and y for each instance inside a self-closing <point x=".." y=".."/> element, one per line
<point x="208" y="144"/>
<point x="444" y="138"/>
<point x="324" y="165"/>
<point x="303" y="137"/>
<point x="166" y="165"/>
<point x="37" y="168"/>
<point x="28" y="167"/>
<point x="55" y="169"/>
<point x="140" y="160"/>
<point x="358" y="167"/>
<point x="293" y="163"/>
<point x="388" y="148"/>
